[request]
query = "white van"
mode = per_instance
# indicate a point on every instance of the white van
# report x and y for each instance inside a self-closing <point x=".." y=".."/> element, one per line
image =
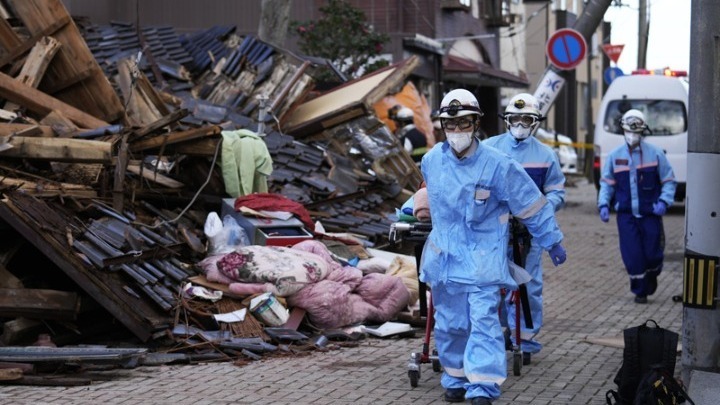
<point x="664" y="101"/>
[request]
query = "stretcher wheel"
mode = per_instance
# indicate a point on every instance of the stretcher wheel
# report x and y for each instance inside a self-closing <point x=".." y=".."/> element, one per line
<point x="436" y="363"/>
<point x="517" y="363"/>
<point x="414" y="377"/>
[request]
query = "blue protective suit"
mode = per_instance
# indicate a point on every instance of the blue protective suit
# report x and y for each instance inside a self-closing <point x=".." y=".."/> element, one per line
<point x="632" y="181"/>
<point x="465" y="257"/>
<point x="541" y="163"/>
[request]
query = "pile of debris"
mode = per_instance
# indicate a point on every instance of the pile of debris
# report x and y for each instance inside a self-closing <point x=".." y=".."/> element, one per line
<point x="111" y="159"/>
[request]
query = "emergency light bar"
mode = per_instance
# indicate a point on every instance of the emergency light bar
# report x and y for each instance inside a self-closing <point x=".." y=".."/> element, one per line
<point x="663" y="72"/>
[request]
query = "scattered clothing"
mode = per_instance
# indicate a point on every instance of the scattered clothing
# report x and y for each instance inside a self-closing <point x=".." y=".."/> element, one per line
<point x="245" y="162"/>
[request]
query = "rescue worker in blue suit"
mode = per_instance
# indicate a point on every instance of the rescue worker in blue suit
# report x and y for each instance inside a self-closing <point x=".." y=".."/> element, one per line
<point x="638" y="182"/>
<point x="472" y="190"/>
<point x="522" y="118"/>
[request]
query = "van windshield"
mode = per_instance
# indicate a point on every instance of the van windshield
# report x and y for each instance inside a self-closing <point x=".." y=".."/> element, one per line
<point x="664" y="117"/>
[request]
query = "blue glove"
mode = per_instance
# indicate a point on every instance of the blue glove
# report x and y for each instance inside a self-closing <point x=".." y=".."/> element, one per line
<point x="604" y="213"/>
<point x="557" y="254"/>
<point x="659" y="208"/>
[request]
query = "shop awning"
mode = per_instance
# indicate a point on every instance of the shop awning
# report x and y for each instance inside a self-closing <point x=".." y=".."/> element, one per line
<point x="467" y="71"/>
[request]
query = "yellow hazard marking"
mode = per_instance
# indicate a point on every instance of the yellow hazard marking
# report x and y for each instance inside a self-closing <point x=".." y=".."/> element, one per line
<point x="699" y="279"/>
<point x="574" y="144"/>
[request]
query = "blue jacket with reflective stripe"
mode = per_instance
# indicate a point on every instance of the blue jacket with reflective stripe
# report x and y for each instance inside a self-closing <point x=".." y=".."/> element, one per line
<point x="539" y="161"/>
<point x="470" y="200"/>
<point x="636" y="180"/>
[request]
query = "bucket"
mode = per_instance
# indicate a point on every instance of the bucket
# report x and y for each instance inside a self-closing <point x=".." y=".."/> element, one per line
<point x="266" y="308"/>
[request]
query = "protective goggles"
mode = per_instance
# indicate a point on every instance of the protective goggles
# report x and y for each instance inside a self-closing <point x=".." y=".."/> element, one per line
<point x="457" y="123"/>
<point x="526" y="120"/>
<point x="634" y="124"/>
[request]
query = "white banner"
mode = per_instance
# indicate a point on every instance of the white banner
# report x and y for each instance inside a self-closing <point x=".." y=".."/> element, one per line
<point x="548" y="89"/>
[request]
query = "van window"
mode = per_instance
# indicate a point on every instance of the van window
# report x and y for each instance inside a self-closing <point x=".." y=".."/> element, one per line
<point x="664" y="117"/>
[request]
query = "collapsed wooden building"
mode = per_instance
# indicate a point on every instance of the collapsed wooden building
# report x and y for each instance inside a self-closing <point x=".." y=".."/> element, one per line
<point x="111" y="147"/>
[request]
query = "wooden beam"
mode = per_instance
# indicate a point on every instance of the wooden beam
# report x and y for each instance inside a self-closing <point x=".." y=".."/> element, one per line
<point x="175" y="137"/>
<point x="144" y="106"/>
<point x="80" y="76"/>
<point x="198" y="147"/>
<point x="49" y="188"/>
<point x="15" y="129"/>
<point x="155" y="177"/>
<point x="38" y="61"/>
<point x="168" y="119"/>
<point x="60" y="149"/>
<point x="8" y="38"/>
<point x="63" y="127"/>
<point x="35" y="65"/>
<point x="95" y="95"/>
<point x="39" y="304"/>
<point x="17" y="51"/>
<point x="119" y="175"/>
<point x="41" y="103"/>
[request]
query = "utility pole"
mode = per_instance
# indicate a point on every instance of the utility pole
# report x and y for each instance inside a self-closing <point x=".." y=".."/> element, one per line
<point x="643" y="31"/>
<point x="701" y="317"/>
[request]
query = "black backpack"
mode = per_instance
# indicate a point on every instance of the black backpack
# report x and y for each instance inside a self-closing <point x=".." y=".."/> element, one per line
<point x="659" y="387"/>
<point x="648" y="367"/>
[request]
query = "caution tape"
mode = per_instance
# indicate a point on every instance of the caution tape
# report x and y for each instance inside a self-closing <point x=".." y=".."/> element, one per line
<point x="578" y="145"/>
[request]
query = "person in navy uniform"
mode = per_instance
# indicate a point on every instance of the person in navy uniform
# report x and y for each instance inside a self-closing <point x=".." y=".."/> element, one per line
<point x="638" y="182"/>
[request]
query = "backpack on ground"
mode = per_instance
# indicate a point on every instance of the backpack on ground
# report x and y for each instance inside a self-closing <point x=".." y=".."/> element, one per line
<point x="659" y="387"/>
<point x="648" y="367"/>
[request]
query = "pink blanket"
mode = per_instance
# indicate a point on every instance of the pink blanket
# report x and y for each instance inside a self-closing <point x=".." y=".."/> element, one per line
<point x="333" y="295"/>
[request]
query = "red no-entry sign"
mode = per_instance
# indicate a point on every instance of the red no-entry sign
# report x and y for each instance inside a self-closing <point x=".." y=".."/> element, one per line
<point x="566" y="48"/>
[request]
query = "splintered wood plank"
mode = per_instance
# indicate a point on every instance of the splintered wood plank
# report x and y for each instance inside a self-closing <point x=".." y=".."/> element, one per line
<point x="49" y="188"/>
<point x="41" y="103"/>
<point x="38" y="61"/>
<point x="144" y="105"/>
<point x="36" y="64"/>
<point x="94" y="95"/>
<point x="165" y="121"/>
<point x="7" y="129"/>
<point x="174" y="138"/>
<point x="59" y="123"/>
<point x="16" y="52"/>
<point x="60" y="150"/>
<point x="158" y="178"/>
<point x="39" y="303"/>
<point x="10" y="374"/>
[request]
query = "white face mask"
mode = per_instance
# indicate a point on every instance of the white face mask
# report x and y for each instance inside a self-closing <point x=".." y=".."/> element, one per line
<point x="459" y="141"/>
<point x="632" y="138"/>
<point x="519" y="132"/>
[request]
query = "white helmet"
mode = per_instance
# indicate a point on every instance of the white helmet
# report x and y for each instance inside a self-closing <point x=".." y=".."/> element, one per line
<point x="522" y="116"/>
<point x="633" y="121"/>
<point x="459" y="103"/>
<point x="523" y="103"/>
<point x="404" y="114"/>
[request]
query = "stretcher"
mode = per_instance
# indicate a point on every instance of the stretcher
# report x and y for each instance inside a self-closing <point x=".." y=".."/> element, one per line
<point x="520" y="245"/>
<point x="418" y="232"/>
